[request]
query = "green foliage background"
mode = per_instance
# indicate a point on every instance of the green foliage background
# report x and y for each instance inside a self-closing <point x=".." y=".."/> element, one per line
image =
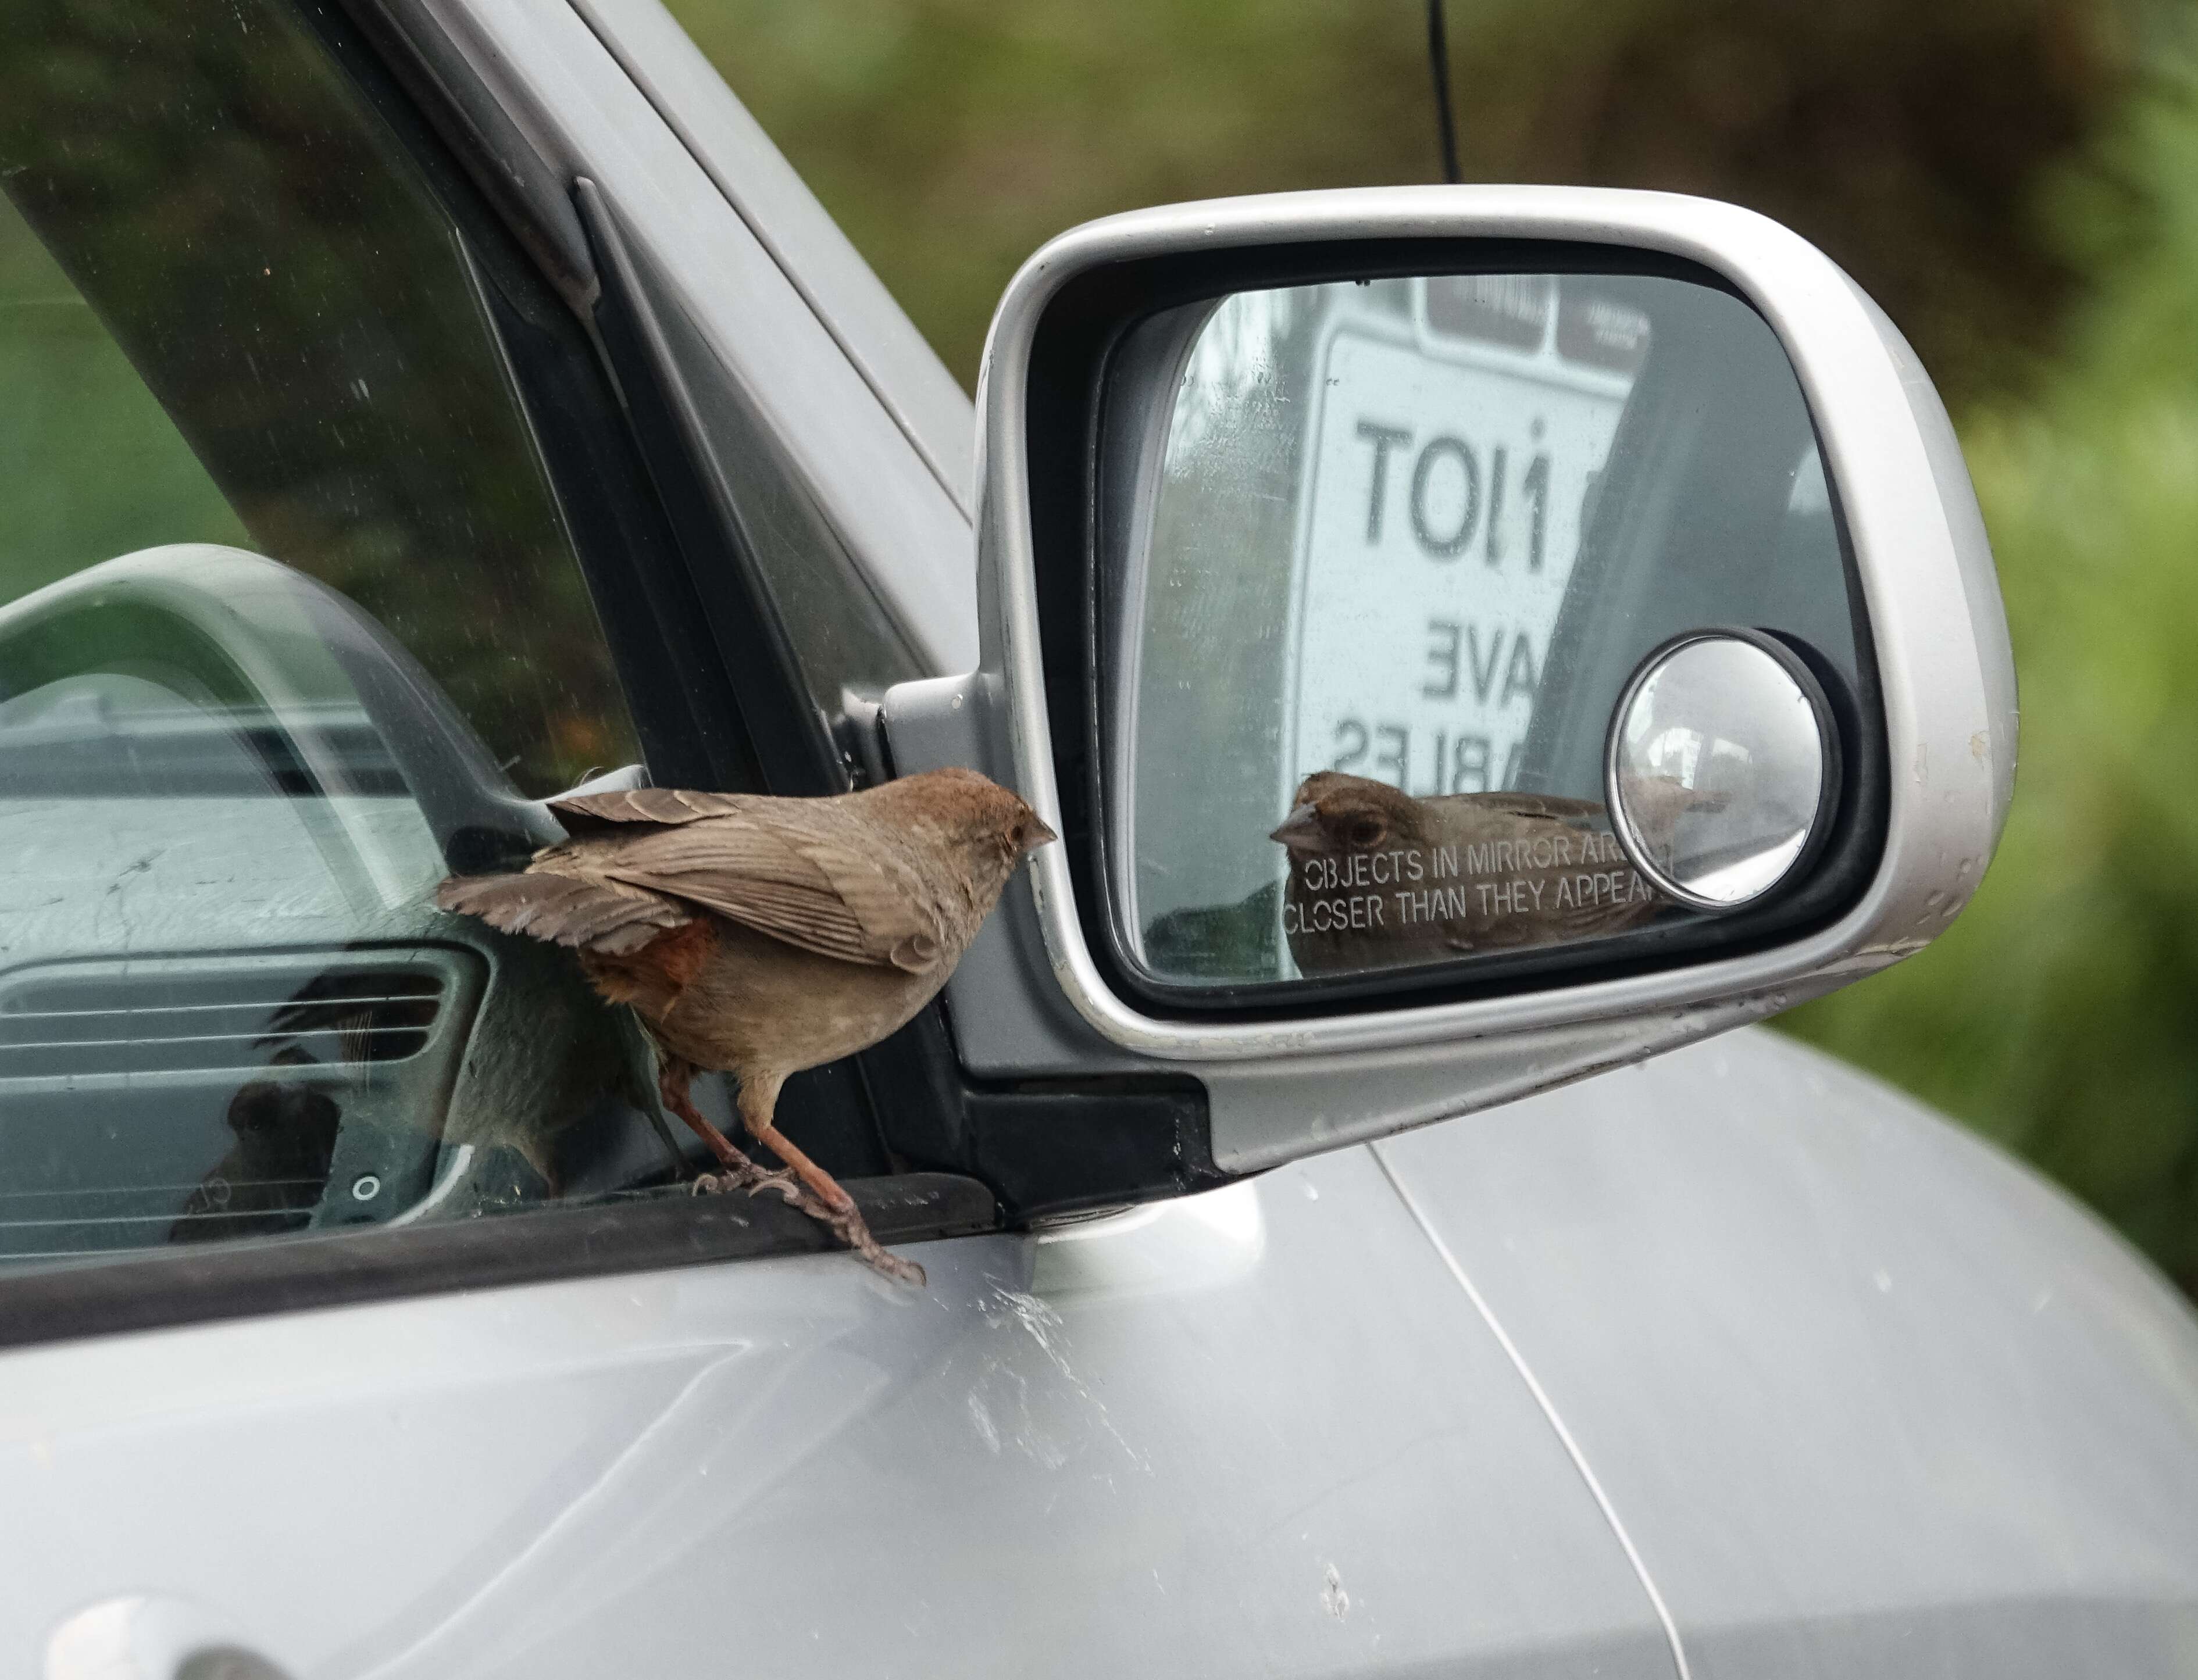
<point x="2059" y="1015"/>
<point x="2016" y="180"/>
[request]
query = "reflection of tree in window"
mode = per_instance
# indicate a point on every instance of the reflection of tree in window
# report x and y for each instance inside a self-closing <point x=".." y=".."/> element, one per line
<point x="303" y="313"/>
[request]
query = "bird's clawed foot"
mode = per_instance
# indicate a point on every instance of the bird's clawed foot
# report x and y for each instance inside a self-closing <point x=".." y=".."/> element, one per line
<point x="849" y="1228"/>
<point x="751" y="1178"/>
<point x="802" y="1184"/>
<point x="821" y="1196"/>
<point x="843" y="1222"/>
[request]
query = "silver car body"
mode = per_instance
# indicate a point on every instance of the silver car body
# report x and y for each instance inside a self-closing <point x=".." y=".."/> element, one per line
<point x="1732" y="1364"/>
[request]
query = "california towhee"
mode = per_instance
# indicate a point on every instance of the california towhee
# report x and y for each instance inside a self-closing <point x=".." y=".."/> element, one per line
<point x="760" y="936"/>
<point x="1379" y="878"/>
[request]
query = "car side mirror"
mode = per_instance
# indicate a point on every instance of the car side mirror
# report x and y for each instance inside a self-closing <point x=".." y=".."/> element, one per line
<point x="1466" y="637"/>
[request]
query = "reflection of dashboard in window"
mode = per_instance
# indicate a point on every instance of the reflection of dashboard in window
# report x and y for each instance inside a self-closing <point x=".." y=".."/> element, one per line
<point x="227" y="1006"/>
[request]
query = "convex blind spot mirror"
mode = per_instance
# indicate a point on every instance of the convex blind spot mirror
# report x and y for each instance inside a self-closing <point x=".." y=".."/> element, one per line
<point x="1355" y="571"/>
<point x="1722" y="768"/>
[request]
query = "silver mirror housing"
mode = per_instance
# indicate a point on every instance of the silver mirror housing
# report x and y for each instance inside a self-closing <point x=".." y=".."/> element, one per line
<point x="1039" y="996"/>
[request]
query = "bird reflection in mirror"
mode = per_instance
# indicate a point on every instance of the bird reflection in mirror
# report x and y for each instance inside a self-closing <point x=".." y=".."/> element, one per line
<point x="760" y="936"/>
<point x="1382" y="879"/>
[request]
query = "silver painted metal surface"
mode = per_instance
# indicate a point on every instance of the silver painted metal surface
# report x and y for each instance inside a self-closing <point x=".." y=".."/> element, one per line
<point x="848" y="448"/>
<point x="1971" y="550"/>
<point x="1433" y="1234"/>
<point x="146" y="1637"/>
<point x="1941" y="649"/>
<point x="1196" y="1439"/>
<point x="1865" y="1398"/>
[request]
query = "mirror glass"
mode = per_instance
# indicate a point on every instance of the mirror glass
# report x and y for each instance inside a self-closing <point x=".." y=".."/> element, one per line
<point x="1722" y="765"/>
<point x="1375" y="562"/>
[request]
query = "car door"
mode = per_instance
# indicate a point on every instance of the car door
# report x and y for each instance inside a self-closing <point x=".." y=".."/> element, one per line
<point x="350" y="514"/>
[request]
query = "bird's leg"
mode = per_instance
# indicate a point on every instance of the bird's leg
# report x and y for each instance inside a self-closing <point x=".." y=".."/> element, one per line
<point x="674" y="1080"/>
<point x="758" y="1103"/>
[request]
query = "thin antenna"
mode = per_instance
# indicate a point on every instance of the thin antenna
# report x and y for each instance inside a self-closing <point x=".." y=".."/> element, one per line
<point x="1439" y="59"/>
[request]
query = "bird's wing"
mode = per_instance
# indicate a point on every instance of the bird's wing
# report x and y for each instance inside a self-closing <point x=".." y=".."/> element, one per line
<point x="819" y="892"/>
<point x="668" y="806"/>
<point x="578" y="910"/>
<point x="1551" y="805"/>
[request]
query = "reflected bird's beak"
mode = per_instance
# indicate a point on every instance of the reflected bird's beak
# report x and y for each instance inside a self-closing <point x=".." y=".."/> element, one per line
<point x="1299" y="831"/>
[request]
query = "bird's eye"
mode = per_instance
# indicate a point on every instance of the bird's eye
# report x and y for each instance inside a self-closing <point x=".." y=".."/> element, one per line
<point x="1367" y="831"/>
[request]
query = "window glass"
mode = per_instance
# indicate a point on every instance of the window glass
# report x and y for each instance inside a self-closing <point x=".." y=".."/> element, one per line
<point x="288" y="612"/>
<point x="287" y="291"/>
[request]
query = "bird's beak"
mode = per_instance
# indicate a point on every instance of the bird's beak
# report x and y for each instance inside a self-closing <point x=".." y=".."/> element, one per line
<point x="1037" y="835"/>
<point x="1301" y="831"/>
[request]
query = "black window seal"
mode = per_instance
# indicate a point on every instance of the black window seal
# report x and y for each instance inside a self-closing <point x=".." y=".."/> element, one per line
<point x="523" y="186"/>
<point x="792" y="742"/>
<point x="163" y="1288"/>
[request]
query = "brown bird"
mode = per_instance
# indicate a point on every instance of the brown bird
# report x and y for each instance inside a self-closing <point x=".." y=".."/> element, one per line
<point x="760" y="936"/>
<point x="1379" y="878"/>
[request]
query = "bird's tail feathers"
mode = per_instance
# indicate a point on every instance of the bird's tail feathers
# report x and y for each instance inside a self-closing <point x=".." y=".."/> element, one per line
<point x="601" y="916"/>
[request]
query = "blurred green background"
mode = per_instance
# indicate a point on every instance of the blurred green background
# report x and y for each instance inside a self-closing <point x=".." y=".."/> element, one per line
<point x="2016" y="181"/>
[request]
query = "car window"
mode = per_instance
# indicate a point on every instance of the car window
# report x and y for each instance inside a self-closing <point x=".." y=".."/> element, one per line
<point x="289" y="620"/>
